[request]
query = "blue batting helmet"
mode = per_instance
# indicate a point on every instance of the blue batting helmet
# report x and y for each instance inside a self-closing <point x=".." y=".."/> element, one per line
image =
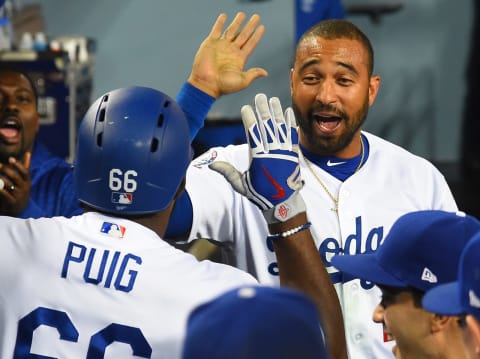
<point x="132" y="153"/>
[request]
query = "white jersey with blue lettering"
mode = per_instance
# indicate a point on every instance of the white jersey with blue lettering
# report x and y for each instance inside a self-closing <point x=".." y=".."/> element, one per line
<point x="391" y="182"/>
<point x="95" y="286"/>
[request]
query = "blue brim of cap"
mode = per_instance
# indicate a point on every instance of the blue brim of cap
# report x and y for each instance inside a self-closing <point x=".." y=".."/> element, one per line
<point x="365" y="266"/>
<point x="444" y="299"/>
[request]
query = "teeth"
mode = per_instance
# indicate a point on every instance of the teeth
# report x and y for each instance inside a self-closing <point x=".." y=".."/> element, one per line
<point x="10" y="123"/>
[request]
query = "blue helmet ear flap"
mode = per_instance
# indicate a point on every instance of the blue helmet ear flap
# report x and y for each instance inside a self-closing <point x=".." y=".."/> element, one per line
<point x="133" y="150"/>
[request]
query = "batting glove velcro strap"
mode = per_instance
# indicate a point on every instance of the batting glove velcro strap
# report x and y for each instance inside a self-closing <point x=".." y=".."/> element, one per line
<point x="284" y="211"/>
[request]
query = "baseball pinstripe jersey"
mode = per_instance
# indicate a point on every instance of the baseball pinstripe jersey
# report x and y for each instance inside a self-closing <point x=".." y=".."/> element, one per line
<point x="95" y="286"/>
<point x="390" y="183"/>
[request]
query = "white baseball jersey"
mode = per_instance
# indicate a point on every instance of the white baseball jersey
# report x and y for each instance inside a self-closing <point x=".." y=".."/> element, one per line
<point x="95" y="286"/>
<point x="390" y="183"/>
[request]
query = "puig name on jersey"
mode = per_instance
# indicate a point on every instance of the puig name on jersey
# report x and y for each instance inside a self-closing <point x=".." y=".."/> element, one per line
<point x="101" y="267"/>
<point x="354" y="243"/>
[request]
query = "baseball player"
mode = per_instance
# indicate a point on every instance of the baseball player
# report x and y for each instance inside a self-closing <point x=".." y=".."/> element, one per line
<point x="104" y="283"/>
<point x="33" y="182"/>
<point x="421" y="251"/>
<point x="356" y="184"/>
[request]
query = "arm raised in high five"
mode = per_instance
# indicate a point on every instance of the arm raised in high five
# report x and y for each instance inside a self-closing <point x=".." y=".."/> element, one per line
<point x="218" y="66"/>
<point x="273" y="183"/>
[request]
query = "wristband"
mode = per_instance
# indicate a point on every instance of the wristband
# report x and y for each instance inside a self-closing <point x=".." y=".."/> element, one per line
<point x="290" y="232"/>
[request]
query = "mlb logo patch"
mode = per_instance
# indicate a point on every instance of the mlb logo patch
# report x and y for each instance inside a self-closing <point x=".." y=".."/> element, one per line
<point x="122" y="198"/>
<point x="113" y="229"/>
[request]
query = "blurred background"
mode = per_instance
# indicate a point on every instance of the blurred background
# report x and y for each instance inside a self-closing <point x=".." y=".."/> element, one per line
<point x="424" y="53"/>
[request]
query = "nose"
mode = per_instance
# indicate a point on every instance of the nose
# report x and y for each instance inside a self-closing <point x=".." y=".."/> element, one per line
<point x="378" y="314"/>
<point x="326" y="92"/>
<point x="7" y="104"/>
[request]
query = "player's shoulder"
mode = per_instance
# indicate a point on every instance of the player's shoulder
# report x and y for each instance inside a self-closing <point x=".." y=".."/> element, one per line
<point x="384" y="150"/>
<point x="226" y="273"/>
<point x="31" y="230"/>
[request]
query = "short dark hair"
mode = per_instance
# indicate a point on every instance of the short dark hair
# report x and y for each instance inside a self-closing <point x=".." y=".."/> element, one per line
<point x="416" y="293"/>
<point x="333" y="29"/>
<point x="22" y="72"/>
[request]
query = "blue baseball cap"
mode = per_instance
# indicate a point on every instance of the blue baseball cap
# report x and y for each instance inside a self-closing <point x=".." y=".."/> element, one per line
<point x="421" y="250"/>
<point x="256" y="323"/>
<point x="462" y="296"/>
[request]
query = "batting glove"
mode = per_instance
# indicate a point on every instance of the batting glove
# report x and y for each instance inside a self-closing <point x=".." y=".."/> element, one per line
<point x="273" y="180"/>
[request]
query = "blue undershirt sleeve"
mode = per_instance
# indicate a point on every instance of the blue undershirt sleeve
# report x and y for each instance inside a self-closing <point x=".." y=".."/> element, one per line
<point x="32" y="211"/>
<point x="181" y="218"/>
<point x="196" y="104"/>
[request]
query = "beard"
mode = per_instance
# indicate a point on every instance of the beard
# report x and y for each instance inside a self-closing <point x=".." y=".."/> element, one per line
<point x="329" y="145"/>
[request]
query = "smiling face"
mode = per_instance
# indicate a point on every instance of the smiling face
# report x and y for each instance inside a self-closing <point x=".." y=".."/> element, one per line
<point x="331" y="90"/>
<point x="404" y="321"/>
<point x="19" y="119"/>
<point x="418" y="333"/>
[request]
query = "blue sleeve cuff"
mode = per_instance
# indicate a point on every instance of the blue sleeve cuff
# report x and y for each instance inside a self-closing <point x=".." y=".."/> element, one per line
<point x="196" y="104"/>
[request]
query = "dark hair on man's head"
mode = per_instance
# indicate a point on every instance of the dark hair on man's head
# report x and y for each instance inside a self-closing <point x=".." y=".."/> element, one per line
<point x="14" y="69"/>
<point x="333" y="29"/>
<point x="392" y="291"/>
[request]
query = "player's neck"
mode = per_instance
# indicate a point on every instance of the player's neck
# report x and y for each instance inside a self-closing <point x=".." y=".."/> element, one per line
<point x="339" y="168"/>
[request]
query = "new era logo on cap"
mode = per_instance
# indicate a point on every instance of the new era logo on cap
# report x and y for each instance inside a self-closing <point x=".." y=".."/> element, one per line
<point x="473" y="299"/>
<point x="428" y="276"/>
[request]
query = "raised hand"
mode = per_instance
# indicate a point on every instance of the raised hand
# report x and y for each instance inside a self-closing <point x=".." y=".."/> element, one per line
<point x="273" y="179"/>
<point x="218" y="67"/>
<point x="15" y="186"/>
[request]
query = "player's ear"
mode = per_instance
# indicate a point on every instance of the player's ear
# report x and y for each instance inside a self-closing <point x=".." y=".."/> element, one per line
<point x="373" y="86"/>
<point x="439" y="322"/>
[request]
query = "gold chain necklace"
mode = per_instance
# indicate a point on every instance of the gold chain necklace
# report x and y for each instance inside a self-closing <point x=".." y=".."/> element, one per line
<point x="334" y="199"/>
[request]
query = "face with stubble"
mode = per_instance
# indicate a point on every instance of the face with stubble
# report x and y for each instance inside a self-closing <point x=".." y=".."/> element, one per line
<point x="19" y="119"/>
<point x="331" y="92"/>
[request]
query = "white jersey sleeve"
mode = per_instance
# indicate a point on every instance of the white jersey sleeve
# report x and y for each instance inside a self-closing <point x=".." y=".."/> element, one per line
<point x="98" y="286"/>
<point x="391" y="183"/>
<point x="222" y="215"/>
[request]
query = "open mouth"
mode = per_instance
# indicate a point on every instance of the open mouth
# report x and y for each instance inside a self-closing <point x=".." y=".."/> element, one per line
<point x="10" y="129"/>
<point x="328" y="123"/>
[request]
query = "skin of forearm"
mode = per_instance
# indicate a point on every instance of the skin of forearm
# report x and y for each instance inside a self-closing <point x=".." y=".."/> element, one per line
<point x="302" y="268"/>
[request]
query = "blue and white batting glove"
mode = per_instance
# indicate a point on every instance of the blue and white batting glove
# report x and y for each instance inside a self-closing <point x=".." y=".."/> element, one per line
<point x="273" y="179"/>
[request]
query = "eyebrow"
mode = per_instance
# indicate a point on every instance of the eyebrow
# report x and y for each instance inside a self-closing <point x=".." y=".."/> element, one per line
<point x="339" y="63"/>
<point x="23" y="90"/>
